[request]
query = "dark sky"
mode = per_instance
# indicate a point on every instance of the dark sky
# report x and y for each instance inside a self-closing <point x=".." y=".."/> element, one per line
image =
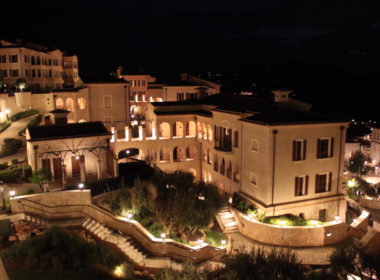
<point x="331" y="48"/>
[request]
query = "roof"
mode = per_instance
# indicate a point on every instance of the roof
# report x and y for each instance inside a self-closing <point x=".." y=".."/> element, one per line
<point x="184" y="112"/>
<point x="72" y="130"/>
<point x="107" y="79"/>
<point x="259" y="110"/>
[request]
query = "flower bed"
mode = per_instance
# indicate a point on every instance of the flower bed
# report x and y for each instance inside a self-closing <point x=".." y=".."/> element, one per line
<point x="289" y="220"/>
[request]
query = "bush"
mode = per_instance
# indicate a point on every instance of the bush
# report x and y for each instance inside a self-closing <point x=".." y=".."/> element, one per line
<point x="14" y="161"/>
<point x="240" y="203"/>
<point x="3" y="165"/>
<point x="4" y="125"/>
<point x="10" y="147"/>
<point x="285" y="220"/>
<point x="16" y="174"/>
<point x="100" y="186"/>
<point x="22" y="115"/>
<point x="58" y="250"/>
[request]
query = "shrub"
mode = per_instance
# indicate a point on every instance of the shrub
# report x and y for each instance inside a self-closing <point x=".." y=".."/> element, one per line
<point x="3" y="165"/>
<point x="14" y="161"/>
<point x="34" y="122"/>
<point x="240" y="203"/>
<point x="4" y="125"/>
<point x="58" y="250"/>
<point x="10" y="147"/>
<point x="22" y="115"/>
<point x="16" y="174"/>
<point x="285" y="220"/>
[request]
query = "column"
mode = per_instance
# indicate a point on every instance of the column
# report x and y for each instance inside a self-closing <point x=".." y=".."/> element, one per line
<point x="113" y="139"/>
<point x="115" y="167"/>
<point x="141" y="132"/>
<point x="154" y="131"/>
<point x="64" y="180"/>
<point x="82" y="169"/>
<point x="127" y="138"/>
<point x="99" y="169"/>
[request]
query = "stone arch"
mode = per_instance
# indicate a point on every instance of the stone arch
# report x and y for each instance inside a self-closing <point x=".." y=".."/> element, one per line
<point x="59" y="104"/>
<point x="164" y="130"/>
<point x="81" y="103"/>
<point x="191" y="152"/>
<point x="70" y="104"/>
<point x="164" y="154"/>
<point x="177" y="129"/>
<point x="191" y="129"/>
<point x="209" y="132"/>
<point x="178" y="154"/>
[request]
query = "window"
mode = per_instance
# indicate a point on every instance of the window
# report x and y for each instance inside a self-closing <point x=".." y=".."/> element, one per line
<point x="107" y="101"/>
<point x="255" y="145"/>
<point x="325" y="148"/>
<point x="191" y="95"/>
<point x="4" y="73"/>
<point x="180" y="96"/>
<point x="26" y="58"/>
<point x="81" y="103"/>
<point x="299" y="150"/>
<point x="13" y="58"/>
<point x="14" y="73"/>
<point x="301" y="185"/>
<point x="236" y="138"/>
<point x="253" y="178"/>
<point x="323" y="182"/>
<point x="3" y="59"/>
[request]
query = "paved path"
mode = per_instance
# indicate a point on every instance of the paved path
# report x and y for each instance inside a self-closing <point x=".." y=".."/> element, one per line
<point x="12" y="132"/>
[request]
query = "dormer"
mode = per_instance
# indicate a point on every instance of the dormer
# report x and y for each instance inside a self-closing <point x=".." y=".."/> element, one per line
<point x="281" y="95"/>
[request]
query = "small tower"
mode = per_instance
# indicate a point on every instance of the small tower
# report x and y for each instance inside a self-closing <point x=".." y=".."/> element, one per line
<point x="59" y="116"/>
<point x="281" y="95"/>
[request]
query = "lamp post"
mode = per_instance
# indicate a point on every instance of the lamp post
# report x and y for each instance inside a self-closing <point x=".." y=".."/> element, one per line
<point x="81" y="186"/>
<point x="2" y="193"/>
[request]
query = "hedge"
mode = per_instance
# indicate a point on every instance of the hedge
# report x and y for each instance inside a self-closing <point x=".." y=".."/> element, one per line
<point x="22" y="115"/>
<point x="4" y="125"/>
<point x="16" y="174"/>
<point x="10" y="147"/>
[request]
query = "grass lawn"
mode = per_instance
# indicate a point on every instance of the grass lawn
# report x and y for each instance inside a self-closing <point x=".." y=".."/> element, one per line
<point x="215" y="237"/>
<point x="16" y="274"/>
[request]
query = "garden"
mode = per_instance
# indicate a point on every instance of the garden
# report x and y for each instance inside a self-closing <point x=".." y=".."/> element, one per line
<point x="173" y="204"/>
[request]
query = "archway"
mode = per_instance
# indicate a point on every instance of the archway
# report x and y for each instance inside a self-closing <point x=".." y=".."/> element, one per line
<point x="177" y="129"/>
<point x="164" y="130"/>
<point x="191" y="152"/>
<point x="190" y="129"/>
<point x="164" y="154"/>
<point x="59" y="104"/>
<point x="70" y="104"/>
<point x="178" y="154"/>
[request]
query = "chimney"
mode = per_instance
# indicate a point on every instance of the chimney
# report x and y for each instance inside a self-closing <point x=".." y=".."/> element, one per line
<point x="281" y="95"/>
<point x="59" y="116"/>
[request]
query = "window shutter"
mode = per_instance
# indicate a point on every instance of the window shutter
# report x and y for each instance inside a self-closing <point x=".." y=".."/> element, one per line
<point x="330" y="181"/>
<point x="316" y="182"/>
<point x="332" y="147"/>
<point x="294" y="150"/>
<point x="306" y="184"/>
<point x="318" y="148"/>
<point x="304" y="150"/>
<point x="296" y="186"/>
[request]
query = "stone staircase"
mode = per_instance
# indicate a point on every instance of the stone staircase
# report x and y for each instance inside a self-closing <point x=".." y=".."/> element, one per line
<point x="227" y="221"/>
<point x="129" y="246"/>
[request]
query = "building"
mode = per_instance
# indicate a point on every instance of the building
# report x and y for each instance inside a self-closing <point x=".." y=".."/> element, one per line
<point x="77" y="150"/>
<point x="41" y="67"/>
<point x="260" y="148"/>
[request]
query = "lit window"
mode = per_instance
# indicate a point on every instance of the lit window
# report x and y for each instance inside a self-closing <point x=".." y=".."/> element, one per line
<point x="301" y="185"/>
<point x="299" y="150"/>
<point x="325" y="148"/>
<point x="323" y="182"/>
<point x="81" y="103"/>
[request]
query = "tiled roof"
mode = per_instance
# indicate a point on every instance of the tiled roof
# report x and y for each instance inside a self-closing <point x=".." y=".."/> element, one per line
<point x="72" y="130"/>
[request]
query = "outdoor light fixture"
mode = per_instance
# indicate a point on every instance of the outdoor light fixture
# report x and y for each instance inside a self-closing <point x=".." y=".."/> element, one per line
<point x="250" y="216"/>
<point x="337" y="218"/>
<point x="282" y="223"/>
<point x="329" y="234"/>
<point x="129" y="216"/>
<point x="354" y="221"/>
<point x="230" y="200"/>
<point x="200" y="241"/>
<point x="163" y="235"/>
<point x="81" y="186"/>
<point x="127" y="152"/>
<point x="351" y="183"/>
<point x="223" y="242"/>
<point x="12" y="194"/>
<point x="77" y="157"/>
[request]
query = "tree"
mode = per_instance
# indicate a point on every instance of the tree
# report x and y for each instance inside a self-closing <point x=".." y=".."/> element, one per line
<point x="358" y="164"/>
<point x="21" y="83"/>
<point x="353" y="259"/>
<point x="42" y="178"/>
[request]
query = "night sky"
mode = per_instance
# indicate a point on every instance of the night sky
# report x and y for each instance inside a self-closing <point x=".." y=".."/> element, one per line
<point x="327" y="51"/>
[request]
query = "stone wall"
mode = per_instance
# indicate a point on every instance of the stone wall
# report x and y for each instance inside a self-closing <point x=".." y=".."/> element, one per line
<point x="295" y="236"/>
<point x="370" y="202"/>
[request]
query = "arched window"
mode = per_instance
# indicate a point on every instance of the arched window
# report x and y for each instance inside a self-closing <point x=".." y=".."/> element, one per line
<point x="151" y="155"/>
<point x="70" y="104"/>
<point x="191" y="152"/>
<point x="222" y="167"/>
<point x="59" y="104"/>
<point x="178" y="154"/>
<point x="177" y="129"/>
<point x="204" y="130"/>
<point x="229" y="169"/>
<point x="209" y="132"/>
<point x="81" y="103"/>
<point x="216" y="163"/>
<point x="209" y="159"/>
<point x="191" y="129"/>
<point x="164" y="130"/>
<point x="164" y="154"/>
